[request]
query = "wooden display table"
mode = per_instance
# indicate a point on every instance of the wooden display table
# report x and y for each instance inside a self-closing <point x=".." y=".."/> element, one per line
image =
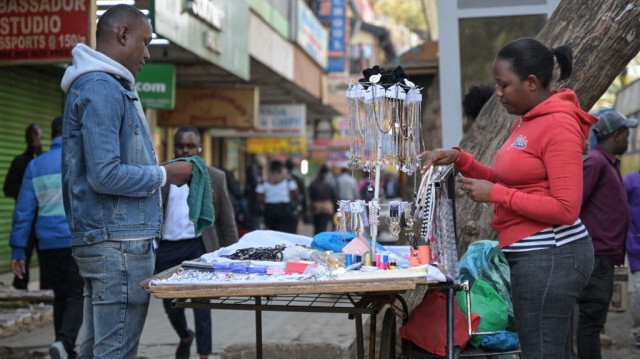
<point x="353" y="297"/>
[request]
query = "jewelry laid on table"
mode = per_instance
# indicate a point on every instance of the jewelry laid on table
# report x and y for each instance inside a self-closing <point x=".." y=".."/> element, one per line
<point x="262" y="254"/>
<point x="394" y="218"/>
<point x="407" y="218"/>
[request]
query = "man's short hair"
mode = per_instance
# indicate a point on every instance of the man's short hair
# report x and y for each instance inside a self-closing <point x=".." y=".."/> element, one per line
<point x="187" y="129"/>
<point x="117" y="15"/>
<point x="276" y="166"/>
<point x="56" y="126"/>
<point x="31" y="127"/>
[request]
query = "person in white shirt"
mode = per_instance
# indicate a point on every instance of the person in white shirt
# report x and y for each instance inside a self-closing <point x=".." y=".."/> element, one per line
<point x="278" y="193"/>
<point x="179" y="242"/>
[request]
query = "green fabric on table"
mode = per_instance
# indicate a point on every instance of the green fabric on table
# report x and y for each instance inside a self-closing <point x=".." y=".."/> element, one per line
<point x="200" y="199"/>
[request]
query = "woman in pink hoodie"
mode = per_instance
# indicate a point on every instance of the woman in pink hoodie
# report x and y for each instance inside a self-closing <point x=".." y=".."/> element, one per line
<point x="535" y="186"/>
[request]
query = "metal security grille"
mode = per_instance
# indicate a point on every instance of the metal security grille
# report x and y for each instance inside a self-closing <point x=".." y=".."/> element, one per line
<point x="28" y="94"/>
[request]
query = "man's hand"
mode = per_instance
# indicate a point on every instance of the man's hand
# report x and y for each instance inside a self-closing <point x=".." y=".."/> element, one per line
<point x="18" y="267"/>
<point x="179" y="172"/>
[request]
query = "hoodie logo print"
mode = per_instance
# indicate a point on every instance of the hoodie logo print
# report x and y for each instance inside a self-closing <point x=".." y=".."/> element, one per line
<point x="520" y="143"/>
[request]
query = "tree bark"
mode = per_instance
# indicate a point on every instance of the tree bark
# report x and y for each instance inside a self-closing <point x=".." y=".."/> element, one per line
<point x="604" y="36"/>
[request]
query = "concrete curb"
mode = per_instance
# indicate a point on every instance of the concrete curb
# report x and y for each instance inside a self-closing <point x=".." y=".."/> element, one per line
<point x="286" y="350"/>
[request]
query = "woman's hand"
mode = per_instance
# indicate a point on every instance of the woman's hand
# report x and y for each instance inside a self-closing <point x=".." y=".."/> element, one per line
<point x="477" y="190"/>
<point x="440" y="156"/>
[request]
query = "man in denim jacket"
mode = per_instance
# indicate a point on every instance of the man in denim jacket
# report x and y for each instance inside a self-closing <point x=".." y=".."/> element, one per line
<point x="111" y="181"/>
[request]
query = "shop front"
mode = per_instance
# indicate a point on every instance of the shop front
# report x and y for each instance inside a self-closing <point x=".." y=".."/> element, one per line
<point x="208" y="45"/>
<point x="35" y="42"/>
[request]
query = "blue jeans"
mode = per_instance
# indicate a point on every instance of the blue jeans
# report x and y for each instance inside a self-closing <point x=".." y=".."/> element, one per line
<point x="545" y="285"/>
<point x="115" y="306"/>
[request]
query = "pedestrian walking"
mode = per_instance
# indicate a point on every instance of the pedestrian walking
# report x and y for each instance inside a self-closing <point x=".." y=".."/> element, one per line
<point x="180" y="242"/>
<point x="323" y="201"/>
<point x="40" y="203"/>
<point x="255" y="209"/>
<point x="278" y="194"/>
<point x="12" y="183"/>
<point x="300" y="204"/>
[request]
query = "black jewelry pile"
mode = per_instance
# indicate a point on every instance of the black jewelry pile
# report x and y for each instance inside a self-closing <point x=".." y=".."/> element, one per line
<point x="258" y="254"/>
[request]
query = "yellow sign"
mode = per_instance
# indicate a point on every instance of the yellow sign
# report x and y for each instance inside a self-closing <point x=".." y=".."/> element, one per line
<point x="218" y="108"/>
<point x="274" y="145"/>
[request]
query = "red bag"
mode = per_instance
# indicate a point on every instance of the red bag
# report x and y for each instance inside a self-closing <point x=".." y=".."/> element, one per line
<point x="427" y="327"/>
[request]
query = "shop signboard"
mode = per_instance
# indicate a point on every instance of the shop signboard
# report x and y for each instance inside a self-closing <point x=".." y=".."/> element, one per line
<point x="310" y="34"/>
<point x="215" y="30"/>
<point x="277" y="145"/>
<point x="42" y="31"/>
<point x="273" y="120"/>
<point x="332" y="16"/>
<point x="156" y="86"/>
<point x="282" y="120"/>
<point x="213" y="107"/>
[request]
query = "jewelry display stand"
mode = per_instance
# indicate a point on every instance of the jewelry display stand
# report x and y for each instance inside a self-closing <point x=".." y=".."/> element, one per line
<point x="384" y="123"/>
<point x="385" y="132"/>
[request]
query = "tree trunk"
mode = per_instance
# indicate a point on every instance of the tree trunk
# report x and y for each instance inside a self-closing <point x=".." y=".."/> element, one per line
<point x="604" y="36"/>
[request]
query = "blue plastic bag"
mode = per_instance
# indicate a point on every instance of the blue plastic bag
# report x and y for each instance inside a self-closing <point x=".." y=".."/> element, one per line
<point x="500" y="342"/>
<point x="332" y="241"/>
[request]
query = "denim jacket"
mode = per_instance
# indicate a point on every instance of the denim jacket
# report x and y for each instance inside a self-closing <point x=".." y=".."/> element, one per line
<point x="111" y="178"/>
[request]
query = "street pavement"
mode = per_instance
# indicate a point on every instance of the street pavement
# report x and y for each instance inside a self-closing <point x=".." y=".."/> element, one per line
<point x="285" y="335"/>
<point x="324" y="335"/>
<point x="233" y="330"/>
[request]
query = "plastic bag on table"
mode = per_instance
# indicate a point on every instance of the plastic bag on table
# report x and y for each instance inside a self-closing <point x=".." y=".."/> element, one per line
<point x="302" y="253"/>
<point x="332" y="241"/>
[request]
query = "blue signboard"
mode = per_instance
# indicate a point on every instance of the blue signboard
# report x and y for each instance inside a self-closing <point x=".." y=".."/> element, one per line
<point x="332" y="14"/>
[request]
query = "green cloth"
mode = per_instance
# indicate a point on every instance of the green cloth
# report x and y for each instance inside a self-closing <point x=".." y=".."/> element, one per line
<point x="200" y="199"/>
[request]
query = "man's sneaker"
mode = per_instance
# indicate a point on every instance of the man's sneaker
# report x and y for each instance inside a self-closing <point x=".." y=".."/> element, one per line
<point x="184" y="347"/>
<point x="57" y="351"/>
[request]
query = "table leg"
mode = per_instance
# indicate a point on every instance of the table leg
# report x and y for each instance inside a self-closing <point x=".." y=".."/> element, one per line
<point x="372" y="336"/>
<point x="359" y="336"/>
<point x="258" y="329"/>
<point x="450" y="341"/>
<point x="405" y="319"/>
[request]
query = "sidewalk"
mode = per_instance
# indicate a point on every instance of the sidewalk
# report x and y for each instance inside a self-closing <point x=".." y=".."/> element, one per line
<point x="285" y="335"/>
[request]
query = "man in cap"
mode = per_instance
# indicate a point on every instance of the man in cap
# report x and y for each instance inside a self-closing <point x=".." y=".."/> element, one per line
<point x="605" y="213"/>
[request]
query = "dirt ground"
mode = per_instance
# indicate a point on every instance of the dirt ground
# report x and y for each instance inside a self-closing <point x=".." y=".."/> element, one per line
<point x="618" y="327"/>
